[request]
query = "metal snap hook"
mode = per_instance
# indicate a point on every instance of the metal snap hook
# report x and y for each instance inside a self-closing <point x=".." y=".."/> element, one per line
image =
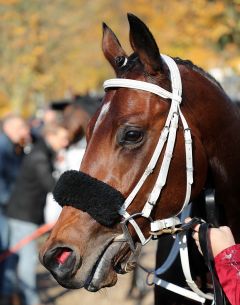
<point x="150" y="282"/>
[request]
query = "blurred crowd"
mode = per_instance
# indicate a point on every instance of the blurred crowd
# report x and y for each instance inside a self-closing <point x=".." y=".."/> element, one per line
<point x="33" y="154"/>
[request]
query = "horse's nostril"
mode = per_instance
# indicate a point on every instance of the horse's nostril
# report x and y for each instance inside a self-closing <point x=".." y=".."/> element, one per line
<point x="63" y="262"/>
<point x="62" y="255"/>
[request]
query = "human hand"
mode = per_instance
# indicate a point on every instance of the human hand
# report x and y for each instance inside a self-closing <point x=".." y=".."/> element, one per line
<point x="220" y="238"/>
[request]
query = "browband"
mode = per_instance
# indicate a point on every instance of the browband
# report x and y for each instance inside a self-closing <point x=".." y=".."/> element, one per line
<point x="81" y="191"/>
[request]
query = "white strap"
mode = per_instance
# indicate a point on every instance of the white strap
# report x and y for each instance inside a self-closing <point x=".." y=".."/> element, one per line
<point x="188" y="148"/>
<point x="176" y="81"/>
<point x="149" y="168"/>
<point x="161" y="180"/>
<point x="179" y="290"/>
<point x="130" y="218"/>
<point x="159" y="225"/>
<point x="189" y="161"/>
<point x="142" y="238"/>
<point x="157" y="152"/>
<point x="140" y="85"/>
<point x="186" y="267"/>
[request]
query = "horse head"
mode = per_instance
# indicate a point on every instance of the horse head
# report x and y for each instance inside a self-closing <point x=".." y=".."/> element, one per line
<point x="87" y="247"/>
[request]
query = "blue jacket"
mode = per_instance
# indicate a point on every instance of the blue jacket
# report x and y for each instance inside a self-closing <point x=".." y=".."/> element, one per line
<point x="10" y="161"/>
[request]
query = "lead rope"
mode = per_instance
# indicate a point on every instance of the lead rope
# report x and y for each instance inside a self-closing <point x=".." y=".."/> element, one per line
<point x="219" y="296"/>
<point x="186" y="269"/>
<point x="168" y="134"/>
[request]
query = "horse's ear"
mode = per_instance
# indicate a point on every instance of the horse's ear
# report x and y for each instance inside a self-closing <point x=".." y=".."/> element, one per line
<point x="112" y="49"/>
<point x="144" y="45"/>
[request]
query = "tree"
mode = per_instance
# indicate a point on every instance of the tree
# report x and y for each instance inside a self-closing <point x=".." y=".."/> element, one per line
<point x="48" y="48"/>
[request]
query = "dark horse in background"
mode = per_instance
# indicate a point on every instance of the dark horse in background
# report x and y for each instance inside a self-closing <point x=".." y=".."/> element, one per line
<point x="82" y="252"/>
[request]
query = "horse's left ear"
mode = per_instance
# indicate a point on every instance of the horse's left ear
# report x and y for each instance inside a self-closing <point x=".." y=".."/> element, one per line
<point x="144" y="44"/>
<point x="112" y="49"/>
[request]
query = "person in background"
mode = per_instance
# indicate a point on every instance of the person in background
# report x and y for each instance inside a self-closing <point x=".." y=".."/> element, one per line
<point x="25" y="211"/>
<point x="76" y="115"/>
<point x="226" y="255"/>
<point x="14" y="137"/>
<point x="43" y="117"/>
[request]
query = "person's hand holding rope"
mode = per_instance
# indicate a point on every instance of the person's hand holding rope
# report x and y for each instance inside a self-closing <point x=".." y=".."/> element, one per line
<point x="226" y="254"/>
<point x="220" y="238"/>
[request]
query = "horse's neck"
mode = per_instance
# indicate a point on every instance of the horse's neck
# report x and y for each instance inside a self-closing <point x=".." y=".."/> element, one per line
<point x="219" y="124"/>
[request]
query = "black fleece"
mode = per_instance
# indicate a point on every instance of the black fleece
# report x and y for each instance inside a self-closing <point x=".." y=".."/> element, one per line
<point x="98" y="199"/>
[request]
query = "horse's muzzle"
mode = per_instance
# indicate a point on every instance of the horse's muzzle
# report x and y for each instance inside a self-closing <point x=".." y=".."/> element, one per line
<point x="62" y="262"/>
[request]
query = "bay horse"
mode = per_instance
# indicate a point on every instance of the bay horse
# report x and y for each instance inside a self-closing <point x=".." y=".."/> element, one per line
<point x="87" y="247"/>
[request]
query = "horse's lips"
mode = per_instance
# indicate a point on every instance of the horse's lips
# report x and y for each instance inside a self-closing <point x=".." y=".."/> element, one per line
<point x="102" y="266"/>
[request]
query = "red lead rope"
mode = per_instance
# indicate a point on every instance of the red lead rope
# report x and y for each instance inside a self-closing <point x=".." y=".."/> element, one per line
<point x="37" y="233"/>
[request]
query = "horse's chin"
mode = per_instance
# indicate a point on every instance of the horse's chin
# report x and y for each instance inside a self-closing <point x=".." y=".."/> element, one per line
<point x="103" y="270"/>
<point x="111" y="261"/>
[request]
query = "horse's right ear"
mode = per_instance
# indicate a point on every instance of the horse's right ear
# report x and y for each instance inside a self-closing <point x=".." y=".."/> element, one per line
<point x="144" y="44"/>
<point x="112" y="49"/>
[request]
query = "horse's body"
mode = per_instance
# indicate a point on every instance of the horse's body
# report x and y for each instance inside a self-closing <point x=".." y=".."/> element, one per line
<point x="122" y="135"/>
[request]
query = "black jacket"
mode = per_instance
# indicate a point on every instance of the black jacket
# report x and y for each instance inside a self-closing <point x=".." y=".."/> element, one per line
<point x="10" y="163"/>
<point x="35" y="180"/>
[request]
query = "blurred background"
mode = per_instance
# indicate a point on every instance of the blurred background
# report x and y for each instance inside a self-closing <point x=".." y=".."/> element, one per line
<point x="52" y="49"/>
<point x="51" y="58"/>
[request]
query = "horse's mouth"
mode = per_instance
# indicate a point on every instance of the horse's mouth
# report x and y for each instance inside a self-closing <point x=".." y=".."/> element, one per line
<point x="99" y="268"/>
<point x="110" y="261"/>
<point x="93" y="272"/>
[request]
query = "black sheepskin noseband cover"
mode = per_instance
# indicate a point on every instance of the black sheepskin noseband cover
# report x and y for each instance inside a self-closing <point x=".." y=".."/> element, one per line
<point x="98" y="199"/>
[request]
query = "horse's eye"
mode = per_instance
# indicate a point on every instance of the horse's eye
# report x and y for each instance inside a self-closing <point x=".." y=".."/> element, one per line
<point x="130" y="136"/>
<point x="133" y="136"/>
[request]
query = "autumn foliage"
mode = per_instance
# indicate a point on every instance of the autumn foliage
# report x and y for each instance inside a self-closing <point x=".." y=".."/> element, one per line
<point x="51" y="48"/>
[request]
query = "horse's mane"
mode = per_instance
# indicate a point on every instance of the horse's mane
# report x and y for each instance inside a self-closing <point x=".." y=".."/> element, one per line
<point x="133" y="58"/>
<point x="194" y="67"/>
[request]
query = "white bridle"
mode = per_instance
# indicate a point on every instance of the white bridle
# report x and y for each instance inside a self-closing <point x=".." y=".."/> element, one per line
<point x="168" y="136"/>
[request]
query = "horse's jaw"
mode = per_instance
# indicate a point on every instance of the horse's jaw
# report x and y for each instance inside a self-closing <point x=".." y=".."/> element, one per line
<point x="117" y="258"/>
<point x="98" y="267"/>
<point x="109" y="263"/>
